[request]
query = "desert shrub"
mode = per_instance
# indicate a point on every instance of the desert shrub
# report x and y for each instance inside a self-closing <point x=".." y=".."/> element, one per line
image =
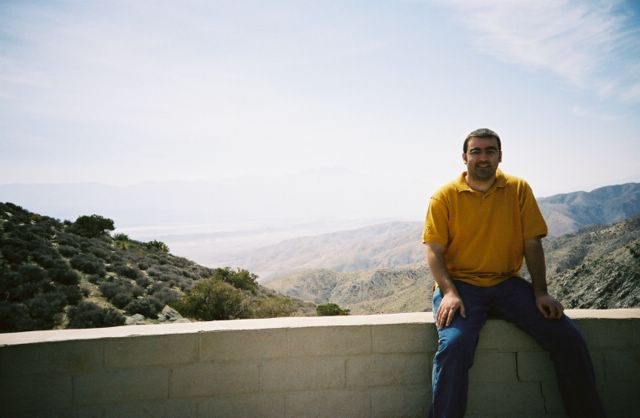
<point x="95" y="278"/>
<point x="121" y="299"/>
<point x="45" y="308"/>
<point x="90" y="315"/>
<point x="30" y="280"/>
<point x="67" y="250"/>
<point x="63" y="274"/>
<point x="273" y="307"/>
<point x="213" y="300"/>
<point x="15" y="251"/>
<point x="88" y="263"/>
<point x="157" y="246"/>
<point x="74" y="294"/>
<point x="146" y="306"/>
<point x="240" y="279"/>
<point x="69" y="240"/>
<point x="331" y="309"/>
<point x="143" y="281"/>
<point x="163" y="293"/>
<point x="126" y="271"/>
<point x="14" y="317"/>
<point x="117" y="287"/>
<point x="120" y="237"/>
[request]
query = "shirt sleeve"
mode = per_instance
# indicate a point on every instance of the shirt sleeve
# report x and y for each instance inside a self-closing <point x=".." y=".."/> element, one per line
<point x="436" y="226"/>
<point x="533" y="223"/>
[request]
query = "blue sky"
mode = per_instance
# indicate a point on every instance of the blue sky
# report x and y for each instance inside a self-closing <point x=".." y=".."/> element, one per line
<point x="123" y="92"/>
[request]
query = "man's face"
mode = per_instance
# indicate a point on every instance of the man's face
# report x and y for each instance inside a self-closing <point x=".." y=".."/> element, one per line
<point x="482" y="158"/>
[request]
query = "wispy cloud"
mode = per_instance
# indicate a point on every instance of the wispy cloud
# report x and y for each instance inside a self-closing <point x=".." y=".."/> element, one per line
<point x="594" y="45"/>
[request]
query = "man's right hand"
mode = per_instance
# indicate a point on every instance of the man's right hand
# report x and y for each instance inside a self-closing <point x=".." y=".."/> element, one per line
<point x="450" y="304"/>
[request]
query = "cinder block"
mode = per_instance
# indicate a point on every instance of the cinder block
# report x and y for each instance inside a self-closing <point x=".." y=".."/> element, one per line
<point x="620" y="399"/>
<point x="328" y="404"/>
<point x="270" y="343"/>
<point x="210" y="379"/>
<point x="60" y="357"/>
<point x="404" y="338"/>
<point x="405" y="401"/>
<point x="252" y="405"/>
<point x="535" y="366"/>
<point x="492" y="366"/>
<point x="34" y="395"/>
<point x="387" y="370"/>
<point x="552" y="398"/>
<point x="610" y="333"/>
<point x="623" y="366"/>
<point x="501" y="335"/>
<point x="121" y="386"/>
<point x="507" y="399"/>
<point x="165" y="350"/>
<point x="156" y="409"/>
<point x="329" y="341"/>
<point x="309" y="373"/>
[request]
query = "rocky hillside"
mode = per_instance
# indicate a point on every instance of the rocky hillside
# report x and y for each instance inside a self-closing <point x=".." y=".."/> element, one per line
<point x="380" y="290"/>
<point x="74" y="275"/>
<point x="567" y="213"/>
<point x="598" y="267"/>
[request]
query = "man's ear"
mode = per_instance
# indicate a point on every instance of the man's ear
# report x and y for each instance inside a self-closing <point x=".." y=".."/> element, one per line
<point x="500" y="159"/>
<point x="464" y="157"/>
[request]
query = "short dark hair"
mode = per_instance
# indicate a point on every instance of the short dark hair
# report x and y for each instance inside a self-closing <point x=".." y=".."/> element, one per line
<point x="481" y="133"/>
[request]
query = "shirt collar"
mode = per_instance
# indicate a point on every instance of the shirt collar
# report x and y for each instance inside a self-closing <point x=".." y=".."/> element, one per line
<point x="461" y="184"/>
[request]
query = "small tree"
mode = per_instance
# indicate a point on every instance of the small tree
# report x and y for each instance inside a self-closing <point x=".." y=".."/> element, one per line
<point x="331" y="309"/>
<point x="92" y="226"/>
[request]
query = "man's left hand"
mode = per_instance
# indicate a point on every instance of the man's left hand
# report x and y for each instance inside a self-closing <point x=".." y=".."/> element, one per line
<point x="549" y="306"/>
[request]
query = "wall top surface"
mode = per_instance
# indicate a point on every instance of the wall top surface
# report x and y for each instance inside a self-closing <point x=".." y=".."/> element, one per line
<point x="32" y="337"/>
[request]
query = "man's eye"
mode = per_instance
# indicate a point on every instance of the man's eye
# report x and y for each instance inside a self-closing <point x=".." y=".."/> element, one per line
<point x="474" y="152"/>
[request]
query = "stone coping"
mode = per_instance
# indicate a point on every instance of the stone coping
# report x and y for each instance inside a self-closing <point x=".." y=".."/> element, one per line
<point x="31" y="337"/>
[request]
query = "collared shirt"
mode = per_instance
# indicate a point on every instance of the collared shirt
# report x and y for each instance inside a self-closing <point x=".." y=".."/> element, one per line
<point x="484" y="232"/>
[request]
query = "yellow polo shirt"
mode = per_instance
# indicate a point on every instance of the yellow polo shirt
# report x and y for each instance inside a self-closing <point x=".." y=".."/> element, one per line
<point x="484" y="232"/>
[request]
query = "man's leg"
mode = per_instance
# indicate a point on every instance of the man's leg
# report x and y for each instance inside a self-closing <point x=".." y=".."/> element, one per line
<point x="513" y="300"/>
<point x="456" y="348"/>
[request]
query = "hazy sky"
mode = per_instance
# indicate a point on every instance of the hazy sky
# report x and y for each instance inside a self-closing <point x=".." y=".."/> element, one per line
<point x="122" y="92"/>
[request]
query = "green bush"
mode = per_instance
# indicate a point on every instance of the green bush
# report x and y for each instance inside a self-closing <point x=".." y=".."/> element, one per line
<point x="273" y="307"/>
<point x="240" y="279"/>
<point x="212" y="299"/>
<point x="331" y="309"/>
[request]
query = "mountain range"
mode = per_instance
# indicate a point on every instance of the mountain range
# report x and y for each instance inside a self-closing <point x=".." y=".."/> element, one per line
<point x="597" y="267"/>
<point x="396" y="244"/>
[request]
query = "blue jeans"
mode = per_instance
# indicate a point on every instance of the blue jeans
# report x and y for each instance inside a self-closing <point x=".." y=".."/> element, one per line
<point x="511" y="300"/>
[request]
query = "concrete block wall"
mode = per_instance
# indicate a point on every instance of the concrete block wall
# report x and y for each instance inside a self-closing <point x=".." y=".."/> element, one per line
<point x="354" y="366"/>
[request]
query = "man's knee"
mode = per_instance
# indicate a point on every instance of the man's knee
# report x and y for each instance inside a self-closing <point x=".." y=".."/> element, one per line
<point x="456" y="342"/>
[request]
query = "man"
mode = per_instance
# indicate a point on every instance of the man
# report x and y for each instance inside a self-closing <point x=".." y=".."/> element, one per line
<point x="477" y="232"/>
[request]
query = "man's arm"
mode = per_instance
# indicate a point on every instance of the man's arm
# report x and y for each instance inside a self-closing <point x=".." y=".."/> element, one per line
<point x="534" y="256"/>
<point x="451" y="301"/>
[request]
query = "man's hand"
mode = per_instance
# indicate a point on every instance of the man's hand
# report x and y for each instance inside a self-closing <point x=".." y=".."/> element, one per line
<point x="450" y="304"/>
<point x="549" y="306"/>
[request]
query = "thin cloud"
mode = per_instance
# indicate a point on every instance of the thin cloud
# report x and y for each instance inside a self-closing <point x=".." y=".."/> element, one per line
<point x="576" y="40"/>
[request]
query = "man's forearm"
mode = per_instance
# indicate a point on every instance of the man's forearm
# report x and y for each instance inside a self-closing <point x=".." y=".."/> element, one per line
<point x="534" y="256"/>
<point x="435" y="259"/>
